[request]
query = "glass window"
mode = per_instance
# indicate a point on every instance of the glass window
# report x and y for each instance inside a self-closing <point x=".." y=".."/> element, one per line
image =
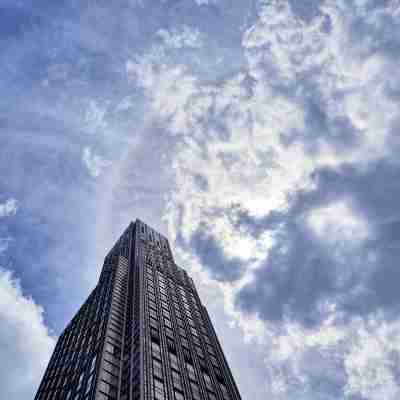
<point x="224" y="391"/>
<point x="110" y="378"/>
<point x="195" y="390"/>
<point x="190" y="370"/>
<point x="174" y="360"/>
<point x="179" y="395"/>
<point x="108" y="389"/>
<point x="159" y="393"/>
<point x="157" y="368"/>
<point x="167" y="322"/>
<point x="199" y="351"/>
<point x="169" y="333"/>
<point x="89" y="384"/>
<point x="211" y="395"/>
<point x="176" y="379"/>
<point x="80" y="381"/>
<point x="156" y="350"/>
<point x="207" y="380"/>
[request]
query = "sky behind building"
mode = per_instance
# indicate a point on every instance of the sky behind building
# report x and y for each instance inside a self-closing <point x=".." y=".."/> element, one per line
<point x="261" y="137"/>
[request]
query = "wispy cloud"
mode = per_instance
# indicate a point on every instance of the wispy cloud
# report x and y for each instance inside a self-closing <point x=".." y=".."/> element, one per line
<point x="94" y="162"/>
<point x="9" y="208"/>
<point x="178" y="38"/>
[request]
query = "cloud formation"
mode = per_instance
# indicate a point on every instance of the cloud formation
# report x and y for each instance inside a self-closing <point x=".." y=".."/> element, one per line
<point x="25" y="342"/>
<point x="212" y="256"/>
<point x="94" y="162"/>
<point x="265" y="133"/>
<point x="9" y="208"/>
<point x="290" y="150"/>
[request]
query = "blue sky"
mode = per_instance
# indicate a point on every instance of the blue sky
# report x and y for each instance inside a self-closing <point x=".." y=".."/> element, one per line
<point x="260" y="136"/>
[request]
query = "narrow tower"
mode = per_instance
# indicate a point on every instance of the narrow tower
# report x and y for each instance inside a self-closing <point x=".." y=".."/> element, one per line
<point x="142" y="334"/>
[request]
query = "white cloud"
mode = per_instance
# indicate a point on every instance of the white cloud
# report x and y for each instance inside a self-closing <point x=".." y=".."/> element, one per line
<point x="183" y="37"/>
<point x="338" y="222"/>
<point x="94" y="163"/>
<point x="372" y="364"/>
<point x="9" y="208"/>
<point x="25" y="343"/>
<point x="281" y="43"/>
<point x="362" y="357"/>
<point x="95" y="117"/>
<point x="231" y="133"/>
<point x="169" y="88"/>
<point x="205" y="2"/>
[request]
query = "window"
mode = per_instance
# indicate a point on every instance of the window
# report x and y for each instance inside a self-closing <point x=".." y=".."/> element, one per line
<point x="93" y="364"/>
<point x="207" y="380"/>
<point x="156" y="350"/>
<point x="195" y="390"/>
<point x="157" y="368"/>
<point x="196" y="340"/>
<point x="199" y="351"/>
<point x="169" y="333"/>
<point x="184" y="342"/>
<point x="176" y="379"/>
<point x="179" y="395"/>
<point x="80" y="381"/>
<point x="167" y="322"/>
<point x="110" y="367"/>
<point x="164" y="297"/>
<point x="171" y="344"/>
<point x="154" y="335"/>
<point x="159" y="393"/>
<point x="116" y="351"/>
<point x="224" y="391"/>
<point x="108" y="389"/>
<point x="109" y="378"/>
<point x="174" y="360"/>
<point x="211" y="395"/>
<point x="210" y="350"/>
<point x="181" y="330"/>
<point x="89" y="385"/>
<point x="190" y="371"/>
<point x="153" y="323"/>
<point x="152" y="304"/>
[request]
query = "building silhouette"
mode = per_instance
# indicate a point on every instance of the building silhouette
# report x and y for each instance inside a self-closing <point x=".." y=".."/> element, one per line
<point x="142" y="334"/>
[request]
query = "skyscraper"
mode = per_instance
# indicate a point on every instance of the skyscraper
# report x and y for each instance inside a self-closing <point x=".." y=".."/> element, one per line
<point x="142" y="334"/>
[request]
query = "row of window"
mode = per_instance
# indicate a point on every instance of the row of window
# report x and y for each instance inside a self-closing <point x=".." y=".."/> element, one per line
<point x="192" y="313"/>
<point x="80" y="340"/>
<point x="165" y="264"/>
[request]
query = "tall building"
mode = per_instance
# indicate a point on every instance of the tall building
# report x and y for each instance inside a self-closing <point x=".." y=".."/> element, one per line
<point x="142" y="334"/>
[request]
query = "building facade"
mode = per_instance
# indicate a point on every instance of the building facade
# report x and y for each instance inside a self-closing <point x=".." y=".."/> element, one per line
<point x="142" y="334"/>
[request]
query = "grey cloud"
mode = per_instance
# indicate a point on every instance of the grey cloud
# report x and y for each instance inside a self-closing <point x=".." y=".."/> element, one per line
<point x="319" y="126"/>
<point x="296" y="276"/>
<point x="301" y="271"/>
<point x="212" y="256"/>
<point x="240" y="218"/>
